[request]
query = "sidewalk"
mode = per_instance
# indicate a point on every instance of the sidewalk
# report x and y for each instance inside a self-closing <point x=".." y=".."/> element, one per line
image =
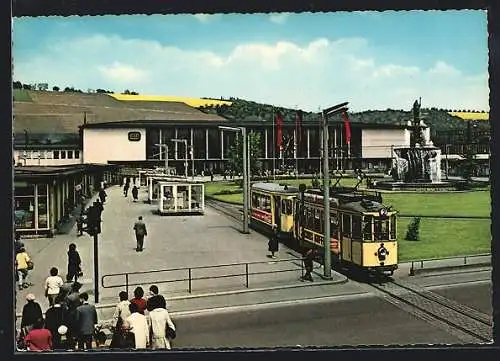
<point x="172" y="242"/>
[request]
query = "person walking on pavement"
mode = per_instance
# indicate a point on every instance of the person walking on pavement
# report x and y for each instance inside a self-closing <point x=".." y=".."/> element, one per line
<point x="72" y="301"/>
<point x="18" y="244"/>
<point x="53" y="285"/>
<point x="86" y="318"/>
<point x="135" y="193"/>
<point x="125" y="188"/>
<point x="102" y="195"/>
<point x="23" y="260"/>
<point x="140" y="233"/>
<point x="74" y="263"/>
<point x="160" y="322"/>
<point x="31" y="312"/>
<point x="139" y="327"/>
<point x="273" y="243"/>
<point x="79" y="225"/>
<point x="308" y="264"/>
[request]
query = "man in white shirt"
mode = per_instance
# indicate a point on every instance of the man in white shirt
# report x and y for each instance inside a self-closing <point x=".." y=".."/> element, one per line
<point x="53" y="285"/>
<point x="138" y="326"/>
<point x="160" y="320"/>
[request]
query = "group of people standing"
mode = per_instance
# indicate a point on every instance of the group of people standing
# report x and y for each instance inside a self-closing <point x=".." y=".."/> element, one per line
<point x="135" y="190"/>
<point x="142" y="323"/>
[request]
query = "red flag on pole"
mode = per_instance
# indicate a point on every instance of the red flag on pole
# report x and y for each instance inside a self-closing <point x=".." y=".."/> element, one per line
<point x="279" y="134"/>
<point x="298" y="127"/>
<point x="347" y="128"/>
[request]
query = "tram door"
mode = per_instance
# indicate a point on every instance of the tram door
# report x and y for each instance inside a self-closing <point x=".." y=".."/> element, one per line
<point x="277" y="211"/>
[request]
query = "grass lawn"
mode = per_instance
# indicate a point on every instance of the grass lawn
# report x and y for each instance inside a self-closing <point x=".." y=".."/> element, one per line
<point x="445" y="238"/>
<point x="21" y="95"/>
<point x="463" y="204"/>
<point x="439" y="237"/>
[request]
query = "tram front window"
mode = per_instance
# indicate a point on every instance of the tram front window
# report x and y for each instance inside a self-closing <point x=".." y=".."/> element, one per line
<point x="381" y="229"/>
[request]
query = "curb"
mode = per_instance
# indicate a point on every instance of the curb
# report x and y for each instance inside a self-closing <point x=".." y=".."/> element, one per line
<point x="342" y="280"/>
<point x="448" y="268"/>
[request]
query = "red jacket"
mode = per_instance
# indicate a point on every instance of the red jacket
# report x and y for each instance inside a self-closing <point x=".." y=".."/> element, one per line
<point x="141" y="304"/>
<point x="39" y="340"/>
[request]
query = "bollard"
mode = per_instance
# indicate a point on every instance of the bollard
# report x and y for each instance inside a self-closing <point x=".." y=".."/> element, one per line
<point x="412" y="270"/>
<point x="246" y="272"/>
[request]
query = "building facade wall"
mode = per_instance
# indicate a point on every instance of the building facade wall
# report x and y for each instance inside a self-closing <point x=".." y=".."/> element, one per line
<point x="103" y="145"/>
<point x="378" y="143"/>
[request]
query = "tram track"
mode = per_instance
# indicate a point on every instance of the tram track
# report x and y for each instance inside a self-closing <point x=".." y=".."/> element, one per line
<point x="468" y="324"/>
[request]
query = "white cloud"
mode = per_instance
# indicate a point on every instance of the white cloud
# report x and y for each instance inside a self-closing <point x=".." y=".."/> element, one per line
<point x="205" y="18"/>
<point x="284" y="73"/>
<point x="279" y="18"/>
<point x="122" y="73"/>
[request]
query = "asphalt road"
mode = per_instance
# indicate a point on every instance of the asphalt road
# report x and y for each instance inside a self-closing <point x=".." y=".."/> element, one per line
<point x="355" y="321"/>
<point x="475" y="296"/>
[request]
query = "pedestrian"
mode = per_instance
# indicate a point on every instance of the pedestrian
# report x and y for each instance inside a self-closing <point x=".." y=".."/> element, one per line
<point x="125" y="338"/>
<point x="18" y="244"/>
<point x="140" y="233"/>
<point x="72" y="301"/>
<point x="86" y="318"/>
<point x="135" y="193"/>
<point x="74" y="264"/>
<point x="98" y="212"/>
<point x="160" y="322"/>
<point x="125" y="188"/>
<point x="63" y="343"/>
<point x="55" y="318"/>
<point x="53" y="285"/>
<point x="102" y="195"/>
<point x="31" y="313"/>
<point x="139" y="300"/>
<point x="155" y="300"/>
<point x="24" y="264"/>
<point x="308" y="264"/>
<point x="273" y="243"/>
<point x="39" y="338"/>
<point x="138" y="326"/>
<point x="122" y="311"/>
<point x="79" y="225"/>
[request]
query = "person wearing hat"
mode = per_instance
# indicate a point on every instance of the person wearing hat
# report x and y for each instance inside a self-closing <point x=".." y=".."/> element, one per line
<point x="31" y="312"/>
<point x="63" y="343"/>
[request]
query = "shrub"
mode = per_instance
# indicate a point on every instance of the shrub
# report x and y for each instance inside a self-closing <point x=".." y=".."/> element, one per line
<point x="413" y="233"/>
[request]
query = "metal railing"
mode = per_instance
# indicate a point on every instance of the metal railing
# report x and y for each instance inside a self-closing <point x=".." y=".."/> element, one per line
<point x="421" y="262"/>
<point x="189" y="273"/>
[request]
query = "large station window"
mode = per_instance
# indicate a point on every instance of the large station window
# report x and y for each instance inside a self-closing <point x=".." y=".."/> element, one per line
<point x="261" y="202"/>
<point x="24" y="207"/>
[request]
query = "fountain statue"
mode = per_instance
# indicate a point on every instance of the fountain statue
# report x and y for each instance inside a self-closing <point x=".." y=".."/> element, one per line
<point x="418" y="165"/>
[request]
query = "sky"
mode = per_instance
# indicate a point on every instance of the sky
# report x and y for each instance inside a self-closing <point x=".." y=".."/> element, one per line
<point x="310" y="61"/>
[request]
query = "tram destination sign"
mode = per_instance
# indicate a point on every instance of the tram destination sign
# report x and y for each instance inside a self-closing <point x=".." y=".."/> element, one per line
<point x="134" y="136"/>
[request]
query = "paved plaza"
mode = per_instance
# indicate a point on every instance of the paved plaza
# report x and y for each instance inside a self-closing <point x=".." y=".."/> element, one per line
<point x="178" y="242"/>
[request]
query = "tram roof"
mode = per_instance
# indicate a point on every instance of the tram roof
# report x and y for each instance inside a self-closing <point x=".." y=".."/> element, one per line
<point x="363" y="206"/>
<point x="275" y="187"/>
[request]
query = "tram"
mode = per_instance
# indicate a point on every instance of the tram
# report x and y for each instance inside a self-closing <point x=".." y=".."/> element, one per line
<point x="362" y="231"/>
<point x="273" y="204"/>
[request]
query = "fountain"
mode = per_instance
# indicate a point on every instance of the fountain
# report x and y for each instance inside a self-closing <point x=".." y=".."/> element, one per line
<point x="417" y="167"/>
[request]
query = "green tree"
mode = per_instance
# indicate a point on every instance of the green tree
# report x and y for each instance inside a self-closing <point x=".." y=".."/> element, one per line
<point x="236" y="153"/>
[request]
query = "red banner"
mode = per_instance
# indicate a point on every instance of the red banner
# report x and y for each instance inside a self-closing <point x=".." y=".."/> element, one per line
<point x="347" y="128"/>
<point x="279" y="133"/>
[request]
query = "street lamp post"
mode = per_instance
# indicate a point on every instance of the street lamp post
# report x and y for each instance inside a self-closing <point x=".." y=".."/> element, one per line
<point x="246" y="187"/>
<point x="166" y="155"/>
<point x="336" y="109"/>
<point x="184" y="141"/>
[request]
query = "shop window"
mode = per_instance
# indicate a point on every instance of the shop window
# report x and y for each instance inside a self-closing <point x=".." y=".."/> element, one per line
<point x="70" y="154"/>
<point x="77" y="156"/>
<point x="56" y="154"/>
<point x="24" y="207"/>
<point x="63" y="154"/>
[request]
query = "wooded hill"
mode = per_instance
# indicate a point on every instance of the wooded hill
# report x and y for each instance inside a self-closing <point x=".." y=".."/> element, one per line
<point x="438" y="120"/>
